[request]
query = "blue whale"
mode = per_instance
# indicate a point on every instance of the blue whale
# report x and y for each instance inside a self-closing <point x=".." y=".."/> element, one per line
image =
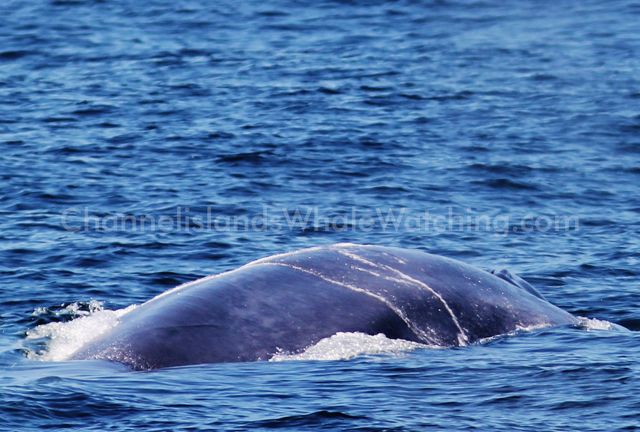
<point x="288" y="302"/>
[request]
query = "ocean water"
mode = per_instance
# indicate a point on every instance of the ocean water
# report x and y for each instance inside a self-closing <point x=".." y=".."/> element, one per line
<point x="146" y="144"/>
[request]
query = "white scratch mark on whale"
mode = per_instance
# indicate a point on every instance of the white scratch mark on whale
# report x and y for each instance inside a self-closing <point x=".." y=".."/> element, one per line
<point x="418" y="331"/>
<point x="463" y="338"/>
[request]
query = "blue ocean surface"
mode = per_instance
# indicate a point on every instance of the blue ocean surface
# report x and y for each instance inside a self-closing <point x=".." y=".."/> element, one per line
<point x="144" y="144"/>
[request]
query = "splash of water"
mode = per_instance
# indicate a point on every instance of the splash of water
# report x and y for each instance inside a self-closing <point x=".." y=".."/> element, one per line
<point x="344" y="346"/>
<point x="596" y="324"/>
<point x="63" y="339"/>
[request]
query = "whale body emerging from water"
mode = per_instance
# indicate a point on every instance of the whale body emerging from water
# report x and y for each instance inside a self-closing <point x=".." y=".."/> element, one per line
<point x="288" y="302"/>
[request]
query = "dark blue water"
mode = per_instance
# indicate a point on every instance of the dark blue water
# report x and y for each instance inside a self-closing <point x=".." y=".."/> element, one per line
<point x="145" y="144"/>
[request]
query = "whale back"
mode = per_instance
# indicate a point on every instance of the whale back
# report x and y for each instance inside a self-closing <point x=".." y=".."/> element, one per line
<point x="446" y="301"/>
<point x="287" y="302"/>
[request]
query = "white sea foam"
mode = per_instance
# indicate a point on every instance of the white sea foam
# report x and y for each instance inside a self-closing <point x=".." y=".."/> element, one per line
<point x="596" y="324"/>
<point x="63" y="339"/>
<point x="344" y="346"/>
